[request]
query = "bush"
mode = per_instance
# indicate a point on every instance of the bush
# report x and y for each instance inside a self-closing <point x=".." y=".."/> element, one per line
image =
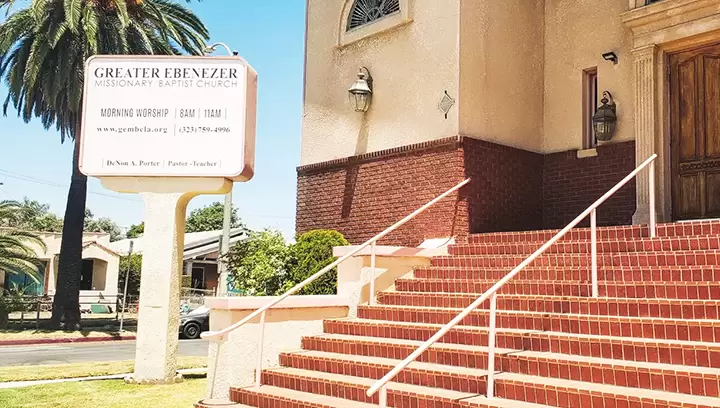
<point x="313" y="251"/>
<point x="257" y="265"/>
<point x="10" y="301"/>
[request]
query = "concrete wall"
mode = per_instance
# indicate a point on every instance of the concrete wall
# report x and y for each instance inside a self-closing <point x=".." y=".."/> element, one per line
<point x="501" y="71"/>
<point x="412" y="65"/>
<point x="232" y="362"/>
<point x="577" y="33"/>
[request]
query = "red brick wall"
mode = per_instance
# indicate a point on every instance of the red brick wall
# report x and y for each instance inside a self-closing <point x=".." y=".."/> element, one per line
<point x="505" y="193"/>
<point x="511" y="190"/>
<point x="361" y="196"/>
<point x="570" y="185"/>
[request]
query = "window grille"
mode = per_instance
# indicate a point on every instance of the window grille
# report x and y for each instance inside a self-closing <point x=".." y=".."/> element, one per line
<point x="367" y="11"/>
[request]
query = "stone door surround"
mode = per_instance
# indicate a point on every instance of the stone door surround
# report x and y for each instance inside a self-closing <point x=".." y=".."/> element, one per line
<point x="660" y="29"/>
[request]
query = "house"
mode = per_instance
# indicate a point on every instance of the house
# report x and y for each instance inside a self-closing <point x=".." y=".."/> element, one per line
<point x="200" y="257"/>
<point x="504" y="92"/>
<point x="99" y="279"/>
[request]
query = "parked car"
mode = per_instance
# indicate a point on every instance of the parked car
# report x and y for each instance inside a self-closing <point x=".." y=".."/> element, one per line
<point x="195" y="322"/>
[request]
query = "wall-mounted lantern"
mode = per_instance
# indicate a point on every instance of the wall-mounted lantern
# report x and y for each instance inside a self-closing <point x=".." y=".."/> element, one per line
<point x="605" y="119"/>
<point x="360" y="93"/>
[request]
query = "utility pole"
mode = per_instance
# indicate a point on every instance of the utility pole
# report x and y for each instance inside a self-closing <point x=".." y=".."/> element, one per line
<point x="127" y="278"/>
<point x="224" y="245"/>
<point x="227" y="213"/>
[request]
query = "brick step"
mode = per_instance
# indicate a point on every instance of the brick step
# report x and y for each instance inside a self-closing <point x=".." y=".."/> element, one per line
<point x="268" y="396"/>
<point x="573" y="394"/>
<point x="706" y="273"/>
<point x="675" y="258"/>
<point x="216" y="403"/>
<point x="667" y="308"/>
<point x="687" y="243"/>
<point x="439" y="353"/>
<point x="643" y="327"/>
<point x="689" y="353"/>
<point x="664" y="290"/>
<point x="449" y="377"/>
<point x="647" y="376"/>
<point x="355" y="388"/>
<point x="620" y="232"/>
<point x="656" y="376"/>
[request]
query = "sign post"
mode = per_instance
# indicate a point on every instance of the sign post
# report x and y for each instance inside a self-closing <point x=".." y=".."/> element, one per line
<point x="169" y="128"/>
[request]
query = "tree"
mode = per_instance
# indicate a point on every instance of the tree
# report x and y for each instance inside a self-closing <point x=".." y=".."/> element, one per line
<point x="311" y="252"/>
<point x="32" y="215"/>
<point x="135" y="230"/>
<point x="43" y="48"/>
<point x="257" y="265"/>
<point x="103" y="224"/>
<point x="16" y="254"/>
<point x="210" y="218"/>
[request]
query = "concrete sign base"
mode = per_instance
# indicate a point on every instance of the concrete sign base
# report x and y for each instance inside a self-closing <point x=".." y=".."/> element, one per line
<point x="166" y="201"/>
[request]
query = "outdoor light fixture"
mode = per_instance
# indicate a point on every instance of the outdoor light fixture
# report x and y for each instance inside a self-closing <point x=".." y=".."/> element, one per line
<point x="610" y="56"/>
<point x="212" y="48"/>
<point x="360" y="93"/>
<point x="604" y="119"/>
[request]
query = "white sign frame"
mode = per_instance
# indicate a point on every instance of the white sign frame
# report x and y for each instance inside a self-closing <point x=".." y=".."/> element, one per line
<point x="240" y="131"/>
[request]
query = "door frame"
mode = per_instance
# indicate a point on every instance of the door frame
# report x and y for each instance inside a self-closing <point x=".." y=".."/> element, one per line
<point x="667" y="114"/>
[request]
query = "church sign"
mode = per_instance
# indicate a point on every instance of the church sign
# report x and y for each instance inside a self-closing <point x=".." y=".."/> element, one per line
<point x="161" y="116"/>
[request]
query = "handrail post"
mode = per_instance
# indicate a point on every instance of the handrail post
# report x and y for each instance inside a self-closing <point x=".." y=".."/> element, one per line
<point x="383" y="396"/>
<point x="491" y="347"/>
<point x="593" y="252"/>
<point x="258" y="368"/>
<point x="372" y="273"/>
<point x="651" y="199"/>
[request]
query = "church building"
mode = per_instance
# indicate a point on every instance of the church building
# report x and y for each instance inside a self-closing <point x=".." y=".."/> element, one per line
<point x="543" y="104"/>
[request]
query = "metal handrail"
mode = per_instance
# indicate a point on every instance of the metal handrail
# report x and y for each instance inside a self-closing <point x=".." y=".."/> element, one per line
<point x="219" y="335"/>
<point x="491" y="293"/>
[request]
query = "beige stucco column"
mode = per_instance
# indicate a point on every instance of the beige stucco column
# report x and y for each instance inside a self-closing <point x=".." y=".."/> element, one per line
<point x="166" y="201"/>
<point x="645" y="111"/>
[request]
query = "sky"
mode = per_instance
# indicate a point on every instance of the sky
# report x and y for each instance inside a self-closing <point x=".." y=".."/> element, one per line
<point x="34" y="164"/>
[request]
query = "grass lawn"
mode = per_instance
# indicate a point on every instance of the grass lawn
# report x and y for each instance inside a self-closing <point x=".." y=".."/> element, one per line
<point x="52" y="372"/>
<point x="8" y="334"/>
<point x="105" y="394"/>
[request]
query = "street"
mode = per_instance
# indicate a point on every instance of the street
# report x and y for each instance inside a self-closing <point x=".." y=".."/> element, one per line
<point x="84" y="352"/>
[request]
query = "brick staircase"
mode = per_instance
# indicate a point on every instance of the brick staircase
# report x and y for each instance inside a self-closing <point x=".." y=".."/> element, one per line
<point x="652" y="340"/>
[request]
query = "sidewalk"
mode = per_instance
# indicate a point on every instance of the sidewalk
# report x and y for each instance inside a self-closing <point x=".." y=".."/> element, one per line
<point x="90" y="339"/>
<point x="20" y="384"/>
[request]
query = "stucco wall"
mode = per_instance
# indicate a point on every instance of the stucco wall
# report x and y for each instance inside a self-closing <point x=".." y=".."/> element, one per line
<point x="515" y="68"/>
<point x="577" y="33"/>
<point x="501" y="71"/>
<point x="412" y="66"/>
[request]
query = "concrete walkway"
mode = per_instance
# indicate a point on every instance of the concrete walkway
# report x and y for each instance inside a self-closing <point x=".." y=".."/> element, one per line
<point x="19" y="384"/>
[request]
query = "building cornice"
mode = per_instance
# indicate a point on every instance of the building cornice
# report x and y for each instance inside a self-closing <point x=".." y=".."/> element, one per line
<point x="671" y="20"/>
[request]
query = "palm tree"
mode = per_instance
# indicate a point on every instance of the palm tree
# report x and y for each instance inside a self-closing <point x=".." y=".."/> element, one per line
<point x="43" y="47"/>
<point x="16" y="255"/>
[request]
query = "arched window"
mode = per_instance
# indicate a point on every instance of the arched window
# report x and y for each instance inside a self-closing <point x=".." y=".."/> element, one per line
<point x="366" y="11"/>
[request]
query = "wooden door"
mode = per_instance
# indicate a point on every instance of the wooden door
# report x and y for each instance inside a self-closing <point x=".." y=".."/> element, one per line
<point x="695" y="133"/>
